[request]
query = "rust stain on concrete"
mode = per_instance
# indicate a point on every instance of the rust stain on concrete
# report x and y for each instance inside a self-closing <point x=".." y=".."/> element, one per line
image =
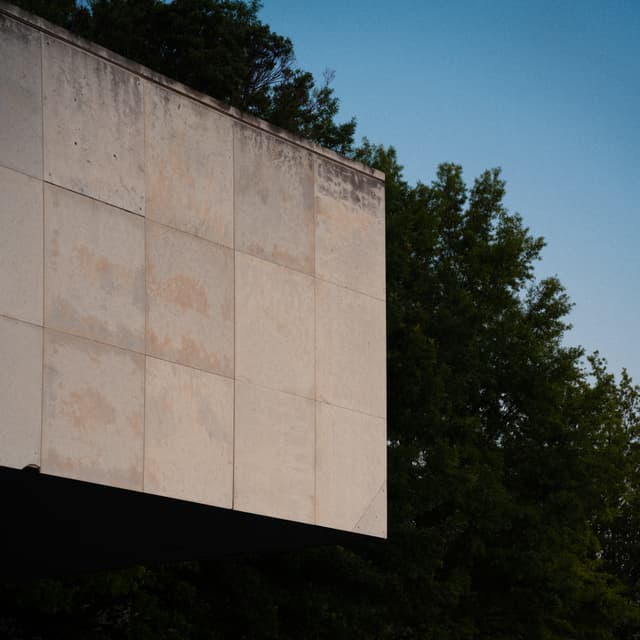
<point x="88" y="408"/>
<point x="192" y="350"/>
<point x="184" y="292"/>
<point x="94" y="469"/>
<point x="100" y="269"/>
<point x="188" y="351"/>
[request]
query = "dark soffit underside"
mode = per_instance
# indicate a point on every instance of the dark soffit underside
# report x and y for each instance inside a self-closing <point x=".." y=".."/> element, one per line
<point x="56" y="526"/>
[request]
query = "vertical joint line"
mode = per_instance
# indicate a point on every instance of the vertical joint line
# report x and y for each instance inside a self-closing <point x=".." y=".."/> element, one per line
<point x="315" y="348"/>
<point x="144" y="248"/>
<point x="235" y="311"/>
<point x="42" y="407"/>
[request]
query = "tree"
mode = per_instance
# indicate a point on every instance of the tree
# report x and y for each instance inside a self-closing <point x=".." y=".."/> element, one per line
<point x="508" y="456"/>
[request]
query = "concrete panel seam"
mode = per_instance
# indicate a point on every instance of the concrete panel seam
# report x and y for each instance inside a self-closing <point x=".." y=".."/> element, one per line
<point x="20" y="171"/>
<point x="101" y="342"/>
<point x="115" y="346"/>
<point x="44" y="275"/>
<point x="284" y="266"/>
<point x="90" y="197"/>
<point x="315" y="352"/>
<point x="366" y="510"/>
<point x="188" y="233"/>
<point x="146" y="268"/>
<point x="189" y="366"/>
<point x="8" y="316"/>
<point x="358" y="291"/>
<point x="364" y="413"/>
<point x="265" y="387"/>
<point x="235" y="318"/>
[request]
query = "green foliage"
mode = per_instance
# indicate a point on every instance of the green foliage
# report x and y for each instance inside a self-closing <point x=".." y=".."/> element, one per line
<point x="514" y="462"/>
<point x="61" y="12"/>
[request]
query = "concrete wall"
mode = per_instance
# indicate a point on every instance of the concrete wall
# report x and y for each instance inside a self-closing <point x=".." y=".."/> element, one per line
<point x="192" y="303"/>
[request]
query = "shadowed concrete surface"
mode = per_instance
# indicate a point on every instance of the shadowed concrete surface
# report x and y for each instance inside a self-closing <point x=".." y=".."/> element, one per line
<point x="56" y="526"/>
<point x="192" y="302"/>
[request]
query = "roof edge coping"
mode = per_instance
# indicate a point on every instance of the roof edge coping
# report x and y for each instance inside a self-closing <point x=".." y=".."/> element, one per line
<point x="97" y="50"/>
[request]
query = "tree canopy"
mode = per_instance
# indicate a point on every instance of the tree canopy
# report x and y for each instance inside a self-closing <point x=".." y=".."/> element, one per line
<point x="513" y="459"/>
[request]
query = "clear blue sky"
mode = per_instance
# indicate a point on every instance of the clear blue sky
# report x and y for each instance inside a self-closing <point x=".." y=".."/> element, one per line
<point x="547" y="90"/>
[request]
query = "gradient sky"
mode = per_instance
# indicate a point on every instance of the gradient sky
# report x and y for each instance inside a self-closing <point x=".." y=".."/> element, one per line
<point x="549" y="91"/>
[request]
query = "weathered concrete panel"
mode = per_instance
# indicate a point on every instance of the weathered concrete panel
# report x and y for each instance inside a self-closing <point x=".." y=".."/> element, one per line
<point x="350" y="349"/>
<point x="21" y="393"/>
<point x="20" y="98"/>
<point x="274" y="453"/>
<point x="189" y="165"/>
<point x="188" y="434"/>
<point x="351" y="452"/>
<point x="350" y="242"/>
<point x="274" y="199"/>
<point x="274" y="326"/>
<point x="93" y="126"/>
<point x="94" y="269"/>
<point x="190" y="318"/>
<point x="20" y="246"/>
<point x="211" y="289"/>
<point x="93" y="411"/>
